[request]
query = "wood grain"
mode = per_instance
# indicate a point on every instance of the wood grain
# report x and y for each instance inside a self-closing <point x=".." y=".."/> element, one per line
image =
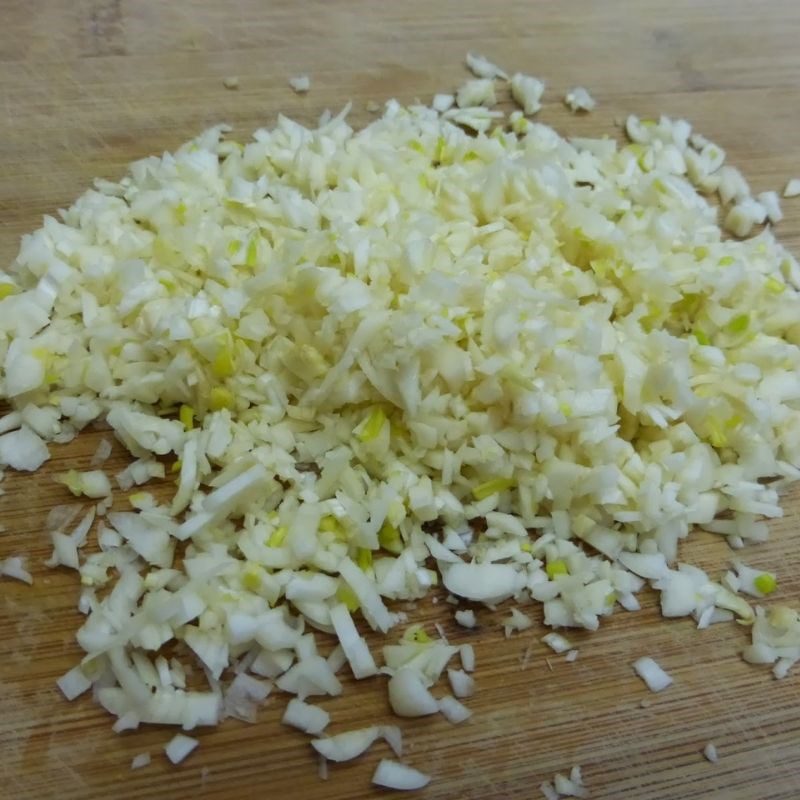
<point x="88" y="85"/>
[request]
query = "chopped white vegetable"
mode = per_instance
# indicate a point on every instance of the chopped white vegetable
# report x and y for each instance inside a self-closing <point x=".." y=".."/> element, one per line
<point x="102" y="453"/>
<point x="332" y="369"/>
<point x="443" y="102"/>
<point x="547" y="790"/>
<point x="93" y="484"/>
<point x="393" y="737"/>
<point x="481" y="67"/>
<point x="466" y="618"/>
<point x="408" y="695"/>
<point x="527" y="92"/>
<point x="300" y="83"/>
<point x="23" y="450"/>
<point x="346" y="746"/>
<point x="308" y="718"/>
<point x="479" y="92"/>
<point x="453" y="710"/>
<point x="710" y="753"/>
<point x="556" y="642"/>
<point x="393" y="775"/>
<point x="569" y="786"/>
<point x="179" y="747"/>
<point x="792" y="188"/>
<point x="462" y="684"/>
<point x="14" y="567"/>
<point x="354" y="646"/>
<point x="140" y="760"/>
<point x="467" y="653"/>
<point x="517" y="621"/>
<point x="772" y="205"/>
<point x="231" y="82"/>
<point x="651" y="673"/>
<point x="74" y="683"/>
<point x="578" y="99"/>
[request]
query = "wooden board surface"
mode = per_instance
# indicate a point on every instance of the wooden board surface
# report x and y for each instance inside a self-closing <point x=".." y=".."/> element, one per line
<point x="88" y="85"/>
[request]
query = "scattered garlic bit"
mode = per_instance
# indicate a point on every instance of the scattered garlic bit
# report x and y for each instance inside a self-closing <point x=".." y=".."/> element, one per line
<point x="141" y="760"/>
<point x="547" y="790"/>
<point x="94" y="484"/>
<point x="571" y="786"/>
<point x="527" y="92"/>
<point x="478" y="119"/>
<point x="578" y="99"/>
<point x="733" y="186"/>
<point x="772" y="204"/>
<point x="393" y="736"/>
<point x="755" y="582"/>
<point x="744" y="216"/>
<point x="453" y="710"/>
<point x="557" y="642"/>
<point x="409" y="695"/>
<point x="710" y="753"/>
<point x="572" y="655"/>
<point x="347" y="746"/>
<point x="466" y="618"/>
<point x="373" y="107"/>
<point x="74" y="683"/>
<point x="308" y="718"/>
<point x="394" y="775"/>
<point x="775" y="639"/>
<point x="231" y="82"/>
<point x="102" y="453"/>
<point x="517" y="621"/>
<point x="179" y="747"/>
<point x="481" y="67"/>
<point x="651" y="673"/>
<point x="14" y="567"/>
<point x="792" y="188"/>
<point x="300" y="83"/>
<point x="443" y="102"/>
<point x="467" y="653"/>
<point x="462" y="684"/>
<point x="479" y="92"/>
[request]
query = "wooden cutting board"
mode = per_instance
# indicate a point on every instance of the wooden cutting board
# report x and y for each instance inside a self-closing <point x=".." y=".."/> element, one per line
<point x="88" y="85"/>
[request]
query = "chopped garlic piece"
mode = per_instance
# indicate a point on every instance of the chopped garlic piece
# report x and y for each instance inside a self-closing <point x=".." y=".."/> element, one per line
<point x="300" y="83"/>
<point x="481" y="67"/>
<point x="479" y="92"/>
<point x="792" y="188"/>
<point x="710" y="753"/>
<point x="527" y="92"/>
<point x="578" y="99"/>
